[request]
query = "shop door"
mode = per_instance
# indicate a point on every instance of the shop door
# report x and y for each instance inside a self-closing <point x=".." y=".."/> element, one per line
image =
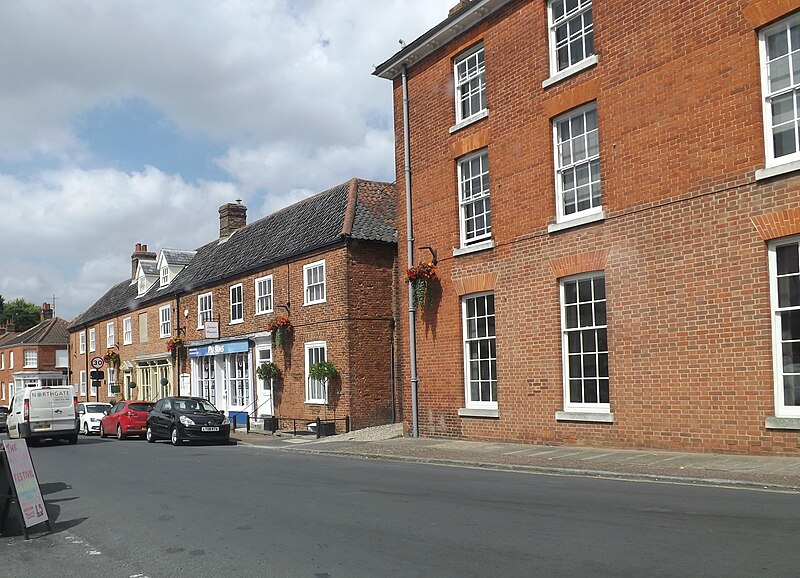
<point x="237" y="387"/>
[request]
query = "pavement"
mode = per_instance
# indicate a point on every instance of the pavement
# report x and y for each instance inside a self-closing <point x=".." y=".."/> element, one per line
<point x="776" y="473"/>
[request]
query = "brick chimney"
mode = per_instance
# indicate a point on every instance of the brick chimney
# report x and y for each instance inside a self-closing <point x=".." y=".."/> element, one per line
<point x="140" y="254"/>
<point x="232" y="216"/>
<point x="458" y="7"/>
<point x="47" y="313"/>
<point x="7" y="328"/>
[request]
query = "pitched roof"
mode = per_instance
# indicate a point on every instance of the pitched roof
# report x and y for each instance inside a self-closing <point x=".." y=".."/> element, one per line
<point x="357" y="209"/>
<point x="50" y="332"/>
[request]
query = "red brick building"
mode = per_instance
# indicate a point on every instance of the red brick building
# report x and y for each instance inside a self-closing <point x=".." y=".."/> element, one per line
<point x="629" y="276"/>
<point x="198" y="322"/>
<point x="34" y="357"/>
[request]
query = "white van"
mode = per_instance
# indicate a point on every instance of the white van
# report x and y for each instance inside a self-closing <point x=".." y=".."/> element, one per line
<point x="44" y="412"/>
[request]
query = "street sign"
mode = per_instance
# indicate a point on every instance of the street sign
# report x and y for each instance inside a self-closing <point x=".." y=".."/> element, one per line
<point x="97" y="362"/>
<point x="95" y="383"/>
<point x="96" y="375"/>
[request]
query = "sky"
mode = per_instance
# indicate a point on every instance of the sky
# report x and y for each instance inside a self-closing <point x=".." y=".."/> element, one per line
<point x="126" y="121"/>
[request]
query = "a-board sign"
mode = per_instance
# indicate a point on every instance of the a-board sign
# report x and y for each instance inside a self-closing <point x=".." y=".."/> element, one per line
<point x="26" y="485"/>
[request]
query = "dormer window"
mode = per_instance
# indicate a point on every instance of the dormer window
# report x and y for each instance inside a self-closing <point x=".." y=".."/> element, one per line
<point x="164" y="275"/>
<point x="142" y="285"/>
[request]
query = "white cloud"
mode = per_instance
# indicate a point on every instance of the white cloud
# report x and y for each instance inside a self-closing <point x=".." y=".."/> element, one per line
<point x="285" y="86"/>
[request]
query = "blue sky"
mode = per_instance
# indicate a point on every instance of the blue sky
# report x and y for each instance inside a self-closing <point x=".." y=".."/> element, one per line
<point x="125" y="122"/>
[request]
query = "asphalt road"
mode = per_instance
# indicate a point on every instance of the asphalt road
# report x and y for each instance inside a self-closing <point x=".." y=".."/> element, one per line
<point x="133" y="509"/>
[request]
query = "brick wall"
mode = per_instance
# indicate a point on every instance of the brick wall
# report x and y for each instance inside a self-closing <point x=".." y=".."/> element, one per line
<point x="679" y="106"/>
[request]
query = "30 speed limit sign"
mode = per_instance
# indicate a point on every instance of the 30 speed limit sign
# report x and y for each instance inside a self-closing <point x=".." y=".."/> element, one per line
<point x="97" y="362"/>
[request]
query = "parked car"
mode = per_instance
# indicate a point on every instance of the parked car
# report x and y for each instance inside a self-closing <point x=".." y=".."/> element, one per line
<point x="126" y="418"/>
<point x="4" y="411"/>
<point x="90" y="414"/>
<point x="180" y="419"/>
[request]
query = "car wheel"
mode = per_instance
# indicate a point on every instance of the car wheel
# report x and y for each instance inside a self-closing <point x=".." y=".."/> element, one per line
<point x="149" y="436"/>
<point x="102" y="431"/>
<point x="119" y="432"/>
<point x="175" y="437"/>
<point x="85" y="429"/>
<point x="73" y="439"/>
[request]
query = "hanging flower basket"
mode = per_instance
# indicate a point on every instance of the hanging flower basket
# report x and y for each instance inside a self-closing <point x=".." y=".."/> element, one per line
<point x="419" y="277"/>
<point x="174" y="345"/>
<point x="268" y="370"/>
<point x="112" y="358"/>
<point x="281" y="329"/>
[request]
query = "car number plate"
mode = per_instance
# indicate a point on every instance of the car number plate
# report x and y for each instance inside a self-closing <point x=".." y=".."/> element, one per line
<point x="210" y="428"/>
<point x="41" y="426"/>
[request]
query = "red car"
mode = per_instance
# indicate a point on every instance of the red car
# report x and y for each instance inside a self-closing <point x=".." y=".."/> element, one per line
<point x="127" y="418"/>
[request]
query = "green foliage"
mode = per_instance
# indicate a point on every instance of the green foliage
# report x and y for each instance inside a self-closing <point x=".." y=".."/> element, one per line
<point x="322" y="370"/>
<point x="23" y="313"/>
<point x="268" y="370"/>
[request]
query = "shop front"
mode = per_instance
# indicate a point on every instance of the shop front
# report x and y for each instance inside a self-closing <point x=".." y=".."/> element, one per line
<point x="221" y="373"/>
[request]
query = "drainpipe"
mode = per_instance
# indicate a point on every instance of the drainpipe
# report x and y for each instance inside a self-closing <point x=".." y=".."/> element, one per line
<point x="412" y="307"/>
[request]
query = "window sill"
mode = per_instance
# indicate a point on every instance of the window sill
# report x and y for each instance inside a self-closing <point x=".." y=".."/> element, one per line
<point x="237" y="322"/>
<point x="576" y="222"/>
<point x="315" y="303"/>
<point x="567" y="72"/>
<point x="477" y="247"/>
<point x="584" y="416"/>
<point x="267" y="312"/>
<point x="768" y="173"/>
<point x="471" y="412"/>
<point x="466" y="122"/>
<point x="307" y="402"/>
<point x="773" y="422"/>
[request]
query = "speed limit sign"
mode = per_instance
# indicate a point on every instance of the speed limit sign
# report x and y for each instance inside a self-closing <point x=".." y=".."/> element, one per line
<point x="97" y="362"/>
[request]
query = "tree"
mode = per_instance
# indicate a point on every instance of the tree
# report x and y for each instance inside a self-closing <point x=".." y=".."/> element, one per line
<point x="23" y="313"/>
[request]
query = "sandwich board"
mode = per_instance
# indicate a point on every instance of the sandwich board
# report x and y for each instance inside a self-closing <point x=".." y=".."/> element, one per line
<point x="19" y="487"/>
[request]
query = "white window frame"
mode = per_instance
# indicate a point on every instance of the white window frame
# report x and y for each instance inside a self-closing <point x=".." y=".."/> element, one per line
<point x="92" y="339"/>
<point x="30" y="358"/>
<point x="3" y="360"/>
<point x="789" y="92"/>
<point x="317" y="385"/>
<point x="474" y="190"/>
<point x="590" y="160"/>
<point x="470" y="337"/>
<point x="11" y="360"/>
<point x="164" y="275"/>
<point x="469" y="76"/>
<point x="111" y="377"/>
<point x="110" y="334"/>
<point x="781" y="408"/>
<point x="82" y="342"/>
<point x="555" y="22"/>
<point x="264" y="301"/>
<point x="164" y="321"/>
<point x="205" y="313"/>
<point x="309" y="287"/>
<point x="599" y="329"/>
<point x="127" y="331"/>
<point x="236" y="295"/>
<point x="82" y="382"/>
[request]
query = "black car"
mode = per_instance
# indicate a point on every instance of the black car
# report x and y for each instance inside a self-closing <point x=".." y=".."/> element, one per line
<point x="180" y="419"/>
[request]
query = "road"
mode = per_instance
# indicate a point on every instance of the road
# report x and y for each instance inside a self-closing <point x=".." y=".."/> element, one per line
<point x="133" y="509"/>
